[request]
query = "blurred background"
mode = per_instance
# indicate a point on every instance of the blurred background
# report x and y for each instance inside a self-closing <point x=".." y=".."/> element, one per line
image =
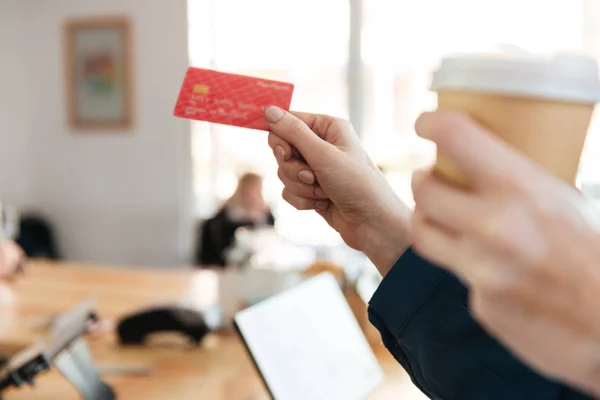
<point x="134" y="196"/>
<point x="140" y="195"/>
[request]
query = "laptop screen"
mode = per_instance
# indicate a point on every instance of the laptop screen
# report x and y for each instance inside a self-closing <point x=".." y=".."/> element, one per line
<point x="307" y="344"/>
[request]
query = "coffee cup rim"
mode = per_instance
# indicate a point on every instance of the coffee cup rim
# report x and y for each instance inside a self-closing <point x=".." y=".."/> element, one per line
<point x="560" y="77"/>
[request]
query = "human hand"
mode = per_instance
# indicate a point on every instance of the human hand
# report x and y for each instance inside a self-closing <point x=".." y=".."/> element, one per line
<point x="324" y="168"/>
<point x="526" y="244"/>
<point x="12" y="259"/>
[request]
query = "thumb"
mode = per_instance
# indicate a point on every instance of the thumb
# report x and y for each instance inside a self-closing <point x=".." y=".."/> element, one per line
<point x="297" y="133"/>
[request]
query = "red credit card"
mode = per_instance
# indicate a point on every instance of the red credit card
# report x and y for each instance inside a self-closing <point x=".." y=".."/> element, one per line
<point x="230" y="99"/>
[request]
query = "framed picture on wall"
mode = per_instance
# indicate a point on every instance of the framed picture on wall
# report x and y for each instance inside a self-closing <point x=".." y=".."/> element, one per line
<point x="98" y="69"/>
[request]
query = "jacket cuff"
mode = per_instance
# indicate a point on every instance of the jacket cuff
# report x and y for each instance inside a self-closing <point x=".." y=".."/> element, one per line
<point x="403" y="291"/>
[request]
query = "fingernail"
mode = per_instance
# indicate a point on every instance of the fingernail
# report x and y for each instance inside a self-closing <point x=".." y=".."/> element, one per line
<point x="306" y="176"/>
<point x="320" y="193"/>
<point x="279" y="152"/>
<point x="273" y="114"/>
<point x="321" y="204"/>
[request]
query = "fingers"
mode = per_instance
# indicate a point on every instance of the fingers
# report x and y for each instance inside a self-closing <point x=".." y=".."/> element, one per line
<point x="433" y="243"/>
<point x="446" y="205"/>
<point x="298" y="188"/>
<point x="301" y="203"/>
<point x="294" y="173"/>
<point x="299" y="171"/>
<point x="479" y="154"/>
<point x="297" y="133"/>
<point x="283" y="150"/>
<point x="300" y="180"/>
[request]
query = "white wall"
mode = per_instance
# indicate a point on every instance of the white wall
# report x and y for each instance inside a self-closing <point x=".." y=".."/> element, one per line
<point x="122" y="197"/>
<point x="14" y="107"/>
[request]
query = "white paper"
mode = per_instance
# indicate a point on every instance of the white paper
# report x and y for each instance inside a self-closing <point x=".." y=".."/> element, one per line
<point x="308" y="344"/>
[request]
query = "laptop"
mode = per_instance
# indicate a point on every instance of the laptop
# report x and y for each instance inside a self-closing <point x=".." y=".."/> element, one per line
<point x="64" y="348"/>
<point x="307" y="344"/>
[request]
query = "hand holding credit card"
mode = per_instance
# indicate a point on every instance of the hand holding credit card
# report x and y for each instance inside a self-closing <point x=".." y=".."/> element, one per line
<point x="230" y="99"/>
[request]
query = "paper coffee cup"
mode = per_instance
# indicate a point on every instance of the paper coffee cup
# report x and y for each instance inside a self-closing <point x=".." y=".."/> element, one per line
<point x="542" y="106"/>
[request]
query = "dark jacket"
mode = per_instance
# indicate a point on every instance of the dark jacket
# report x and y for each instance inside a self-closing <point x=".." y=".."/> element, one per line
<point x="422" y="314"/>
<point x="216" y="235"/>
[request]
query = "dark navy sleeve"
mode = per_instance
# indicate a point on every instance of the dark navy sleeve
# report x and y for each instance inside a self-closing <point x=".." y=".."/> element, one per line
<point x="422" y="314"/>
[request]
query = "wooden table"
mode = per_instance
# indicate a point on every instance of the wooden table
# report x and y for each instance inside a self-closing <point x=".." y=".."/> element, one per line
<point x="220" y="369"/>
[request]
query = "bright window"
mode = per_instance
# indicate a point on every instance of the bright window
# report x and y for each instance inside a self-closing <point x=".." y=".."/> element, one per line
<point x="304" y="42"/>
<point x="307" y="42"/>
<point x="403" y="42"/>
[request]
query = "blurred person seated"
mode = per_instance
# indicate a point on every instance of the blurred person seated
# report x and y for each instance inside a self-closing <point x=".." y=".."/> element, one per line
<point x="245" y="208"/>
<point x="12" y="259"/>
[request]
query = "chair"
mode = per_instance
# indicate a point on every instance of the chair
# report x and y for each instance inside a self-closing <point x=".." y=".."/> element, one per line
<point x="36" y="238"/>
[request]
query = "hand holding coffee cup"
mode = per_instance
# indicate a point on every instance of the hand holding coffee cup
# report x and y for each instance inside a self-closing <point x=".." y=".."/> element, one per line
<point x="541" y="106"/>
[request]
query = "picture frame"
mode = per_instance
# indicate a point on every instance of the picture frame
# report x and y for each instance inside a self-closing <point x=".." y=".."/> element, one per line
<point x="98" y="73"/>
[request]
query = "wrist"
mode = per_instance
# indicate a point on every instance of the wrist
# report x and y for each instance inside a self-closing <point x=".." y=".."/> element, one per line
<point x="592" y="381"/>
<point x="388" y="236"/>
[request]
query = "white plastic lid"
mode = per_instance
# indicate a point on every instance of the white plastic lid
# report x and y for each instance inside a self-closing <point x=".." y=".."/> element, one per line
<point x="566" y="77"/>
